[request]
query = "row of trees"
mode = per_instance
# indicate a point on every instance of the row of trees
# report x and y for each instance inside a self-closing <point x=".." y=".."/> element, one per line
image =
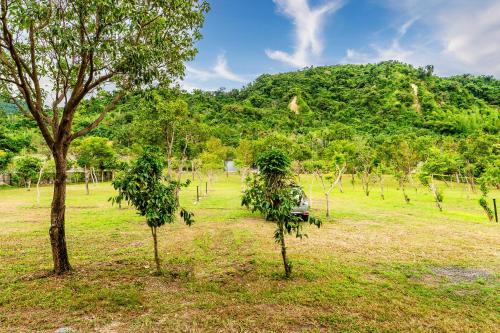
<point x="56" y="59"/>
<point x="472" y="161"/>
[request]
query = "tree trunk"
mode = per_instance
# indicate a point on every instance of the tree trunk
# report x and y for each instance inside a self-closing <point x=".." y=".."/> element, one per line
<point x="57" y="215"/>
<point x="286" y="264"/>
<point x="381" y="182"/>
<point x="327" y="205"/>
<point x="402" y="185"/>
<point x="87" y="175"/>
<point x="29" y="184"/>
<point x="94" y="176"/>
<point x="311" y="192"/>
<point x="155" y="241"/>
<point x="366" y="183"/>
<point x="40" y="173"/>
<point x="436" y="194"/>
<point x="437" y="201"/>
<point x="169" y="154"/>
<point x="472" y="184"/>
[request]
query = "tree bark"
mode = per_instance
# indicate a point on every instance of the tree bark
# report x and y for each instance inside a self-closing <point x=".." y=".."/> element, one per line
<point x="40" y="173"/>
<point x="402" y="185"/>
<point x="155" y="242"/>
<point x="366" y="183"/>
<point x="327" y="205"/>
<point x="381" y="182"/>
<point x="311" y="192"/>
<point x="86" y="173"/>
<point x="286" y="264"/>
<point x="169" y="154"/>
<point x="57" y="215"/>
<point x="434" y="191"/>
<point x="94" y="176"/>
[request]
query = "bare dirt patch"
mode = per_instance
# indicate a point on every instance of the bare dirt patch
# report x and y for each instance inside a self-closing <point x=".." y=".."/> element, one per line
<point x="293" y="106"/>
<point x="459" y="274"/>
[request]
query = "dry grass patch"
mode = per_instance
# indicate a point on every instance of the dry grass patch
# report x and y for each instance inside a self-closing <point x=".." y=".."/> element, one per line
<point x="378" y="266"/>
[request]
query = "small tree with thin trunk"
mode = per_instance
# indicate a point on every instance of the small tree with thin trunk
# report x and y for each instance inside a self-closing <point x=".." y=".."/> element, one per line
<point x="273" y="193"/>
<point x="364" y="161"/>
<point x="213" y="157"/>
<point x="160" y="119"/>
<point x="404" y="159"/>
<point x="330" y="174"/>
<point x="439" y="163"/>
<point x="54" y="54"/>
<point x="379" y="171"/>
<point x="27" y="169"/>
<point x="490" y="177"/>
<point x="143" y="186"/>
<point x="244" y="158"/>
<point x="94" y="153"/>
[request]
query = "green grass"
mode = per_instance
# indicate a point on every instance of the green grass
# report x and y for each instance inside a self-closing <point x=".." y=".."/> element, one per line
<point x="375" y="266"/>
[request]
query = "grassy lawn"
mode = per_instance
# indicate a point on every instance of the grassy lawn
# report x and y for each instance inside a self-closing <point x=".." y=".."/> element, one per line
<point x="375" y="266"/>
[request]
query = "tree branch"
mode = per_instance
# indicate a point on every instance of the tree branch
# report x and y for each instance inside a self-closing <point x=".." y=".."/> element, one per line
<point x="96" y="122"/>
<point x="20" y="66"/>
<point x="34" y="72"/>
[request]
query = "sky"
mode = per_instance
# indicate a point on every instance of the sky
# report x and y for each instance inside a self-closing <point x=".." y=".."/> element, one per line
<point x="243" y="39"/>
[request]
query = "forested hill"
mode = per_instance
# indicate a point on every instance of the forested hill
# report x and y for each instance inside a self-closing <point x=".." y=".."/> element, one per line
<point x="385" y="98"/>
<point x="306" y="108"/>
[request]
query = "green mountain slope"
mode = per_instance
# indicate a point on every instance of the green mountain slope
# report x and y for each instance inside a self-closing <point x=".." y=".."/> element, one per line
<point x="389" y="97"/>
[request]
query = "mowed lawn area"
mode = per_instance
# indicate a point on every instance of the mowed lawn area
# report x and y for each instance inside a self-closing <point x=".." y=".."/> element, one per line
<point x="374" y="266"/>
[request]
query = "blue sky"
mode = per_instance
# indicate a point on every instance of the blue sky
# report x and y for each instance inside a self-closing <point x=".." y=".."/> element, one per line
<point x="245" y="38"/>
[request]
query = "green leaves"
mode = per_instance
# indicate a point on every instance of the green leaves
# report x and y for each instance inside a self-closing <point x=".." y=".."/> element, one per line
<point x="96" y="152"/>
<point x="274" y="164"/>
<point x="187" y="216"/>
<point x="143" y="186"/>
<point x="27" y="167"/>
<point x="273" y="193"/>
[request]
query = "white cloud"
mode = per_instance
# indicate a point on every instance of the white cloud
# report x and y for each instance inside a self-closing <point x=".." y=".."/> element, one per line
<point x="219" y="71"/>
<point x="223" y="71"/>
<point x="461" y="37"/>
<point x="471" y="36"/>
<point x="308" y="25"/>
<point x="380" y="53"/>
<point x="217" y="76"/>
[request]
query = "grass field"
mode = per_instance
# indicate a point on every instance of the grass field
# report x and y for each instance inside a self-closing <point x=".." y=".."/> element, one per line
<point x="375" y="266"/>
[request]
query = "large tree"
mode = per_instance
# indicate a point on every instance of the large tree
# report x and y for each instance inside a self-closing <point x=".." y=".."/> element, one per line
<point x="55" y="53"/>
